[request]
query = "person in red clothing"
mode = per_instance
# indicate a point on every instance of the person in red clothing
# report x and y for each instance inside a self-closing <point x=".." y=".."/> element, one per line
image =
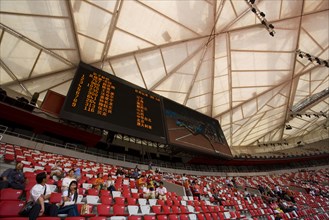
<point x="196" y="189"/>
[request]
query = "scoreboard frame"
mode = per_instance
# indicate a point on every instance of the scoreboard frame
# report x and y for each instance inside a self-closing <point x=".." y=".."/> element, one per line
<point x="102" y="100"/>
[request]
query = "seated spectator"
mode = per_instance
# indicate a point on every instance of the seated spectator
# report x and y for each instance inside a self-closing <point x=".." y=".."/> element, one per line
<point x="147" y="194"/>
<point x="77" y="173"/>
<point x="217" y="199"/>
<point x="196" y="189"/>
<point x="40" y="193"/>
<point x="161" y="192"/>
<point x="99" y="182"/>
<point x="285" y="207"/>
<point x="246" y="194"/>
<point x="57" y="171"/>
<point x="119" y="172"/>
<point x="289" y="195"/>
<point x="67" y="180"/>
<point x="109" y="185"/>
<point x="186" y="184"/>
<point x="13" y="178"/>
<point x="261" y="189"/>
<point x="135" y="173"/>
<point x="150" y="186"/>
<point x="70" y="198"/>
<point x="228" y="182"/>
<point x="141" y="180"/>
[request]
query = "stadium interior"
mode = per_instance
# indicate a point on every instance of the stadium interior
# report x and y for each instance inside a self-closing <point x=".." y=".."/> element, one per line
<point x="225" y="103"/>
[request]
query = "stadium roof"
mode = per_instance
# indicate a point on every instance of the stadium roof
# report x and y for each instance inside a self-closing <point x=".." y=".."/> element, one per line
<point x="217" y="57"/>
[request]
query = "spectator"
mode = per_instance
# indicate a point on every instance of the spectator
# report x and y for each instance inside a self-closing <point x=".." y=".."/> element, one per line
<point x="261" y="189"/>
<point x="187" y="187"/>
<point x="161" y="192"/>
<point x="150" y="186"/>
<point x="77" y="173"/>
<point x="110" y="185"/>
<point x="285" y="207"/>
<point x="228" y="182"/>
<point x="246" y="194"/>
<point x="57" y="171"/>
<point x="196" y="189"/>
<point x="13" y="178"/>
<point x="67" y="180"/>
<point x="150" y="165"/>
<point x="98" y="182"/>
<point x="217" y="199"/>
<point x="40" y="193"/>
<point x="119" y="172"/>
<point x="70" y="198"/>
<point x="147" y="194"/>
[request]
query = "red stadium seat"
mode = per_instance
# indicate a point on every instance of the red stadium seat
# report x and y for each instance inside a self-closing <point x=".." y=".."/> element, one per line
<point x="9" y="157"/>
<point x="10" y="208"/>
<point x="173" y="217"/>
<point x="15" y="218"/>
<point x="135" y="217"/>
<point x="10" y="194"/>
<point x="162" y="217"/>
<point x="55" y="198"/>
<point x="119" y="210"/>
<point x="166" y="209"/>
<point x="106" y="200"/>
<point x="75" y="218"/>
<point x="184" y="217"/>
<point x="131" y="201"/>
<point x="119" y="200"/>
<point x="98" y="218"/>
<point x="104" y="193"/>
<point x="156" y="209"/>
<point x="104" y="210"/>
<point x="48" y="218"/>
<point x="92" y="192"/>
<point x="149" y="217"/>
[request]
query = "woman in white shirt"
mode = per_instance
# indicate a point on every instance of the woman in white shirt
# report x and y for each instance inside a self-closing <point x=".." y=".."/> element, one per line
<point x="70" y="198"/>
<point x="67" y="180"/>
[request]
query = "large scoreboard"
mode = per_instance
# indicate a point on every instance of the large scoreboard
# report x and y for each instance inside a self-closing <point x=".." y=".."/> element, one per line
<point x="189" y="129"/>
<point x="102" y="100"/>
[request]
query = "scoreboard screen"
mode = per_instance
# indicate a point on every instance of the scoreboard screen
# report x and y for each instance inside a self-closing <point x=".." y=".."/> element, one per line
<point x="190" y="129"/>
<point x="102" y="100"/>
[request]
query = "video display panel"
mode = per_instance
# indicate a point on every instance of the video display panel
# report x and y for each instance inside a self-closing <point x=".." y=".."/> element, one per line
<point x="192" y="130"/>
<point x="102" y="100"/>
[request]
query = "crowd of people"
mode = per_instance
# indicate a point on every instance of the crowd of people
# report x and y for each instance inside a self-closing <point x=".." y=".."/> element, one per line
<point x="150" y="185"/>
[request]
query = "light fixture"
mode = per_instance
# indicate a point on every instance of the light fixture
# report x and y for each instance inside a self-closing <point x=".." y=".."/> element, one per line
<point x="312" y="58"/>
<point x="288" y="127"/>
<point x="261" y="17"/>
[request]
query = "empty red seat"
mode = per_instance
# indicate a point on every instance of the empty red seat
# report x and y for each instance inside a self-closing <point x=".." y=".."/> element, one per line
<point x="10" y="208"/>
<point x="92" y="192"/>
<point x="106" y="200"/>
<point x="119" y="210"/>
<point x="135" y="217"/>
<point x="10" y="194"/>
<point x="162" y="217"/>
<point x="55" y="198"/>
<point x="184" y="217"/>
<point x="119" y="200"/>
<point x="48" y="218"/>
<point x="103" y="210"/>
<point x="173" y="217"/>
<point x="149" y="217"/>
